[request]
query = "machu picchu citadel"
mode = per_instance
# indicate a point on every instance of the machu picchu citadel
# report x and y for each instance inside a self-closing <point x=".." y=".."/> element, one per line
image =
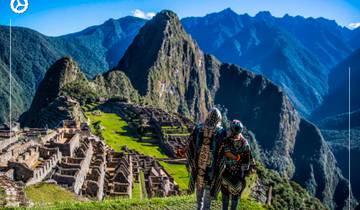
<point x="73" y="158"/>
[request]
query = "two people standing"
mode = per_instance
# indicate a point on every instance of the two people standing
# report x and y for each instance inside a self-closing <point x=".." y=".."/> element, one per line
<point x="218" y="159"/>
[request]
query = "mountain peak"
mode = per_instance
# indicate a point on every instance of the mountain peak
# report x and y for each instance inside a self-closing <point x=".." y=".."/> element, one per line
<point x="61" y="73"/>
<point x="228" y="11"/>
<point x="162" y="61"/>
<point x="263" y="15"/>
<point x="167" y="15"/>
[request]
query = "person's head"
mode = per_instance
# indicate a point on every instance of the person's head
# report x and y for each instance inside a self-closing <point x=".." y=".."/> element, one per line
<point x="213" y="119"/>
<point x="236" y="127"/>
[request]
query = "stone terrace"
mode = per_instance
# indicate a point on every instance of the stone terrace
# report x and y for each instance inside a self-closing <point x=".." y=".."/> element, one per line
<point x="73" y="158"/>
<point x="169" y="131"/>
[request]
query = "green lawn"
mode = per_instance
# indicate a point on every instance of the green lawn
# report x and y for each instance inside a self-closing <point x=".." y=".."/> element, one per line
<point x="48" y="193"/>
<point x="136" y="191"/>
<point x="2" y="196"/>
<point x="179" y="173"/>
<point x="117" y="134"/>
<point x="174" y="202"/>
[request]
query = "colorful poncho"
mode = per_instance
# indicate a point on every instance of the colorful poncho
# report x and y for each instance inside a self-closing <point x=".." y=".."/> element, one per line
<point x="203" y="158"/>
<point x="234" y="174"/>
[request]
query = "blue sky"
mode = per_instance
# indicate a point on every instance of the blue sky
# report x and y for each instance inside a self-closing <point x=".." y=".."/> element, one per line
<point x="57" y="17"/>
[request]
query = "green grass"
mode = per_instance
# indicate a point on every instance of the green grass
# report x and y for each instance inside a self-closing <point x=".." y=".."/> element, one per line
<point x="2" y="196"/>
<point x="48" y="193"/>
<point x="142" y="183"/>
<point x="174" y="202"/>
<point x="179" y="173"/>
<point x="136" y="191"/>
<point x="250" y="181"/>
<point x="117" y="134"/>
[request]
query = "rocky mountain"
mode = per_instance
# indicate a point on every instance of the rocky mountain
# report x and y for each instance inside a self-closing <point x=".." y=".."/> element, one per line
<point x="231" y="37"/>
<point x="174" y="74"/>
<point x="289" y="144"/>
<point x="171" y="72"/>
<point x="65" y="88"/>
<point x="337" y="100"/>
<point x="279" y="48"/>
<point x="336" y="132"/>
<point x="50" y="106"/>
<point x="96" y="49"/>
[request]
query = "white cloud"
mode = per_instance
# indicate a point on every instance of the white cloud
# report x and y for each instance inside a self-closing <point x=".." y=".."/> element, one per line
<point x="354" y="25"/>
<point x="141" y="14"/>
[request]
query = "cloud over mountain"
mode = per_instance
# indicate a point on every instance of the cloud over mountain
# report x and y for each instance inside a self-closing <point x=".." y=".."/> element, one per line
<point x="141" y="14"/>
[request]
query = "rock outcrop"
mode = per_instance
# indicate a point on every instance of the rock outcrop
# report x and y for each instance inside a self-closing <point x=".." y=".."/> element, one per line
<point x="50" y="106"/>
<point x="167" y="67"/>
<point x="65" y="88"/>
<point x="115" y="84"/>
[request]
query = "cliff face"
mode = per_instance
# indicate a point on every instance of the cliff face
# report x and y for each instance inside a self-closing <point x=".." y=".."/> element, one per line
<point x="289" y="144"/>
<point x="167" y="67"/>
<point x="64" y="89"/>
<point x="47" y="109"/>
<point x="317" y="168"/>
<point x="265" y="109"/>
<point x="115" y="84"/>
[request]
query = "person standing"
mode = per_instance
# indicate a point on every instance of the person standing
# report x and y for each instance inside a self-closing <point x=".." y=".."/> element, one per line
<point x="202" y="155"/>
<point x="237" y="155"/>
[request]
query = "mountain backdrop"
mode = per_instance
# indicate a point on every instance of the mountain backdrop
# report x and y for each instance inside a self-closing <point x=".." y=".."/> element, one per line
<point x="177" y="76"/>
<point x="284" y="49"/>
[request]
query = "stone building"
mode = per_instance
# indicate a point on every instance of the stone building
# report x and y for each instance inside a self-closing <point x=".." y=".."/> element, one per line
<point x="72" y="170"/>
<point x="35" y="164"/>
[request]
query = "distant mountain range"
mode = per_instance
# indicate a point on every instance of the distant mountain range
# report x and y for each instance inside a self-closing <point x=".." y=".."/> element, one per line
<point x="284" y="49"/>
<point x="337" y="100"/>
<point x="173" y="73"/>
<point x="295" y="52"/>
<point x="96" y="48"/>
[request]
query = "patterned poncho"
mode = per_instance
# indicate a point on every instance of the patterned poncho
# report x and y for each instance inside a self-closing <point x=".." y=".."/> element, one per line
<point x="203" y="158"/>
<point x="234" y="174"/>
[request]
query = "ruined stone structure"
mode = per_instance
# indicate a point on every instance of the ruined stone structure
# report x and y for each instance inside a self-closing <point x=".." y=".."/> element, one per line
<point x="72" y="170"/>
<point x="169" y="131"/>
<point x="14" y="195"/>
<point x="77" y="160"/>
<point x="95" y="178"/>
<point x="119" y="177"/>
<point x="66" y="141"/>
<point x="35" y="164"/>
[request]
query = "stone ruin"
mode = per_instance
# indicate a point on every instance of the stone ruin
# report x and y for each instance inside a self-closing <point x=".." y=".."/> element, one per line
<point x="73" y="158"/>
<point x="170" y="131"/>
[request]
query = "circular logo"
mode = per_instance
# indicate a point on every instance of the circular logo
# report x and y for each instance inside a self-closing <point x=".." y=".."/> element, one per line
<point x="19" y="6"/>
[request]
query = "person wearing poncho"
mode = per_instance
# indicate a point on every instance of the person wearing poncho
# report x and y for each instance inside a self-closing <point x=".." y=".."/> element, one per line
<point x="203" y="159"/>
<point x="237" y="156"/>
